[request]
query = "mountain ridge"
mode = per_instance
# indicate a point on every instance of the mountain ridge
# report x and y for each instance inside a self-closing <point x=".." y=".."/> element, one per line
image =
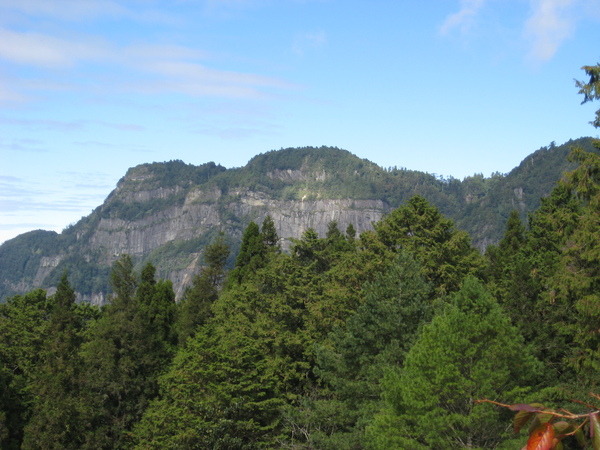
<point x="167" y="212"/>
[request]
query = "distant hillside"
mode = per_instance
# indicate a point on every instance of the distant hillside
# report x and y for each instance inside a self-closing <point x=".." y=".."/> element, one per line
<point x="167" y="212"/>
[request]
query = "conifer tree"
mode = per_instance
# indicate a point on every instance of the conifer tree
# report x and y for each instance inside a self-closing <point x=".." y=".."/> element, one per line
<point x="469" y="351"/>
<point x="446" y="254"/>
<point x="56" y="421"/>
<point x="351" y="363"/>
<point x="195" y="306"/>
<point x="23" y="330"/>
<point x="124" y="356"/>
<point x="269" y="233"/>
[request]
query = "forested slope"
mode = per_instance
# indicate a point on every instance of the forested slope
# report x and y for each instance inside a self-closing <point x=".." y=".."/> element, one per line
<point x="380" y="340"/>
<point x="166" y="213"/>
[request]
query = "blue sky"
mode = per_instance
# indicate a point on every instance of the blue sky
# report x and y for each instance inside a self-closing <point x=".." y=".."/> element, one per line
<point x="89" y="88"/>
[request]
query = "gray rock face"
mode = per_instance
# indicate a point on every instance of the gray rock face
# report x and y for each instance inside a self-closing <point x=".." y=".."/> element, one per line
<point x="197" y="216"/>
<point x="200" y="213"/>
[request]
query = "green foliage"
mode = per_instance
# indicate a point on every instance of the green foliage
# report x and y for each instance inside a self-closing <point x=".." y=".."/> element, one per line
<point x="125" y="351"/>
<point x="55" y="421"/>
<point x="23" y="330"/>
<point x="445" y="252"/>
<point x="591" y="89"/>
<point x="353" y="360"/>
<point x="257" y="245"/>
<point x="469" y="351"/>
<point x="195" y="306"/>
<point x="221" y="393"/>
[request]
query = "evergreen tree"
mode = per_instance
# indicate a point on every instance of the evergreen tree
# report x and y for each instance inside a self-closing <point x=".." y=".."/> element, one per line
<point x="591" y="89"/>
<point x="575" y="283"/>
<point x="220" y="393"/>
<point x="124" y="356"/>
<point x="446" y="254"/>
<point x="251" y="256"/>
<point x="56" y="422"/>
<point x="353" y="360"/>
<point x="269" y="234"/>
<point x="195" y="306"/>
<point x="469" y="351"/>
<point x="23" y="330"/>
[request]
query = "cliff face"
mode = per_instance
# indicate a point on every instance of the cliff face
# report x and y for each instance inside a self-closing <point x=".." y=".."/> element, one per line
<point x="165" y="219"/>
<point x="200" y="213"/>
<point x="166" y="213"/>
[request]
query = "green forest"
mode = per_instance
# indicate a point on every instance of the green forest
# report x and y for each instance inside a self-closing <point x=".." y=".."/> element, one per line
<point x="405" y="336"/>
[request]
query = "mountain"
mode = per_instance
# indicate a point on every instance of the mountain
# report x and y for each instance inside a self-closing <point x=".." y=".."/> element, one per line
<point x="167" y="212"/>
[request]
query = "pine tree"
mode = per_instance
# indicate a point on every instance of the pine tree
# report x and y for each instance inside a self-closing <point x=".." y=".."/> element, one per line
<point x="195" y="306"/>
<point x="124" y="355"/>
<point x="591" y="89"/>
<point x="351" y="363"/>
<point x="251" y="255"/>
<point x="56" y="421"/>
<point x="469" y="351"/>
<point x="23" y="331"/>
<point x="446" y="254"/>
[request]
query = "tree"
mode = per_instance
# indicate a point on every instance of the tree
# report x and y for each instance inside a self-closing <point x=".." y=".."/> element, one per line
<point x="23" y="329"/>
<point x="469" y="351"/>
<point x="56" y="421"/>
<point x="269" y="233"/>
<point x="351" y="363"/>
<point x="446" y="254"/>
<point x="575" y="283"/>
<point x="591" y="89"/>
<point x="251" y="255"/>
<point x="122" y="279"/>
<point x="221" y="392"/>
<point x="124" y="355"/>
<point x="195" y="306"/>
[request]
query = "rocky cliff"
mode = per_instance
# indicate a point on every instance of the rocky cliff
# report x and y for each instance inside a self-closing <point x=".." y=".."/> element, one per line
<point x="166" y="213"/>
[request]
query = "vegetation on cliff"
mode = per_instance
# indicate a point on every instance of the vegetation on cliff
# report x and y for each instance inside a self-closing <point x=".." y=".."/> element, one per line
<point x="158" y="192"/>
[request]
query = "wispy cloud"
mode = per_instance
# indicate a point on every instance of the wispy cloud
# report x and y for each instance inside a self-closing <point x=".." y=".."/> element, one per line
<point x="310" y="40"/>
<point x="145" y="68"/>
<point x="42" y="50"/>
<point x="83" y="10"/>
<point x="22" y="145"/>
<point x="551" y="22"/>
<point x="464" y="18"/>
<point x="65" y="125"/>
<point x="87" y="190"/>
<point x="65" y="9"/>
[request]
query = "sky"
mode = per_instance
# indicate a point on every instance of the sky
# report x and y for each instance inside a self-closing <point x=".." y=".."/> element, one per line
<point x="90" y="88"/>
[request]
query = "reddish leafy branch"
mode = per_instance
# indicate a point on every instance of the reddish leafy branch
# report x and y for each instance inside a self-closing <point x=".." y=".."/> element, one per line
<point x="548" y="427"/>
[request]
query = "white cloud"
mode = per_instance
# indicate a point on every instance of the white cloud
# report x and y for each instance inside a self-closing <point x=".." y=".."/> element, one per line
<point x="314" y="39"/>
<point x="9" y="95"/>
<point x="143" y="68"/>
<point x="66" y="9"/>
<point x="46" y="51"/>
<point x="63" y="125"/>
<point x="464" y="18"/>
<point x="551" y="22"/>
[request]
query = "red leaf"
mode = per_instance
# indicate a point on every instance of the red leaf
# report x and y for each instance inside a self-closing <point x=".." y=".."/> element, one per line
<point x="539" y="420"/>
<point x="541" y="438"/>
